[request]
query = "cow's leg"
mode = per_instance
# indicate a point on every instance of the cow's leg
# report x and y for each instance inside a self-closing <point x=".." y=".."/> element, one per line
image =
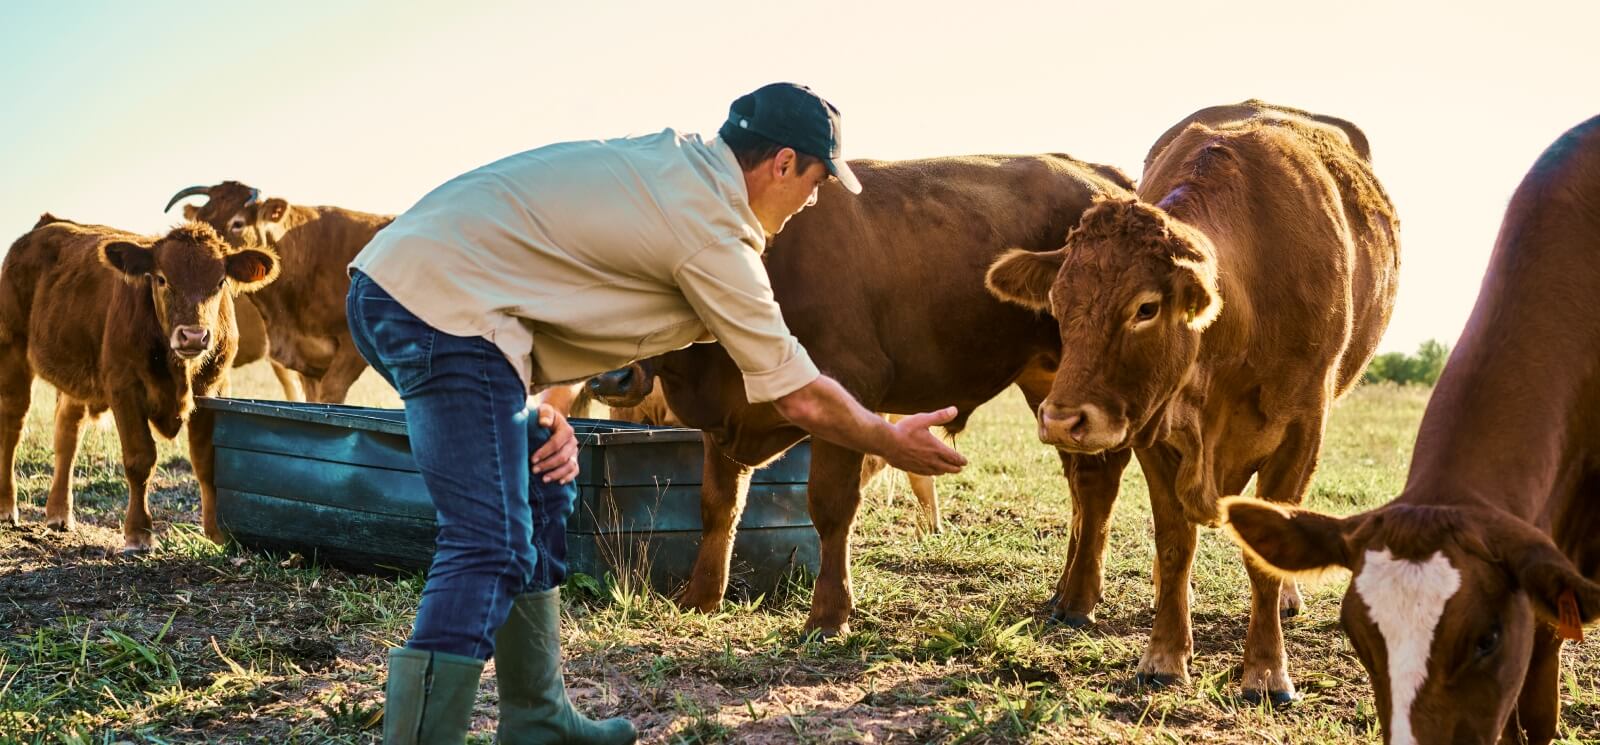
<point x="1282" y="479"/>
<point x="138" y="460"/>
<point x="347" y="365"/>
<point x="289" y="380"/>
<point x="928" y="501"/>
<point x="202" y="455"/>
<point x="1166" y="659"/>
<point x="70" y="417"/>
<point x="722" y="491"/>
<point x="1094" y="481"/>
<point x="833" y="496"/>
<point x="16" y="391"/>
<point x="1539" y="705"/>
<point x="311" y="387"/>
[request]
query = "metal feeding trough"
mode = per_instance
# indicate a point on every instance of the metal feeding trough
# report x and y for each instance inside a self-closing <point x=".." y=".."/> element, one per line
<point x="338" y="484"/>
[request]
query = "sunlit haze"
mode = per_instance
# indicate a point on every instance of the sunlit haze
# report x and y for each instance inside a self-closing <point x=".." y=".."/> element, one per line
<point x="110" y="107"/>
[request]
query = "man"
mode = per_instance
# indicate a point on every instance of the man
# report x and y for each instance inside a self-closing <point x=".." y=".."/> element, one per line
<point x="538" y="271"/>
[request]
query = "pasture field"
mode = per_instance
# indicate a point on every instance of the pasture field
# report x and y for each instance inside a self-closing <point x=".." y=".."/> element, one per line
<point x="199" y="643"/>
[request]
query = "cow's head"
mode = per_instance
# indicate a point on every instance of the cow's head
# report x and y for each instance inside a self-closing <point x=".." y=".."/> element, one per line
<point x="1442" y="609"/>
<point x="188" y="273"/>
<point x="624" y="387"/>
<point x="237" y="212"/>
<point x="1132" y="290"/>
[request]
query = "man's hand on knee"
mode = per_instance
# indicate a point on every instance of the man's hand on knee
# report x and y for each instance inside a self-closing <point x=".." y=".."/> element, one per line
<point x="557" y="460"/>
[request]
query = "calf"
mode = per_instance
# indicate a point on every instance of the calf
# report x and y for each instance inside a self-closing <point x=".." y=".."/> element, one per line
<point x="1211" y="323"/>
<point x="1467" y="583"/>
<point x="304" y="309"/>
<point x="116" y="321"/>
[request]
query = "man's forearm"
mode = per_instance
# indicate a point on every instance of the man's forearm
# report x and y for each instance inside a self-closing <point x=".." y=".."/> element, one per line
<point x="826" y="410"/>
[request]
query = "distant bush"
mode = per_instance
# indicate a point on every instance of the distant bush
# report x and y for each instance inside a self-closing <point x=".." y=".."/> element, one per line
<point x="1422" y="368"/>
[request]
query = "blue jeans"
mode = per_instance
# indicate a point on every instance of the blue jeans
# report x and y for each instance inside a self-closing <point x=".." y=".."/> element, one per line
<point x="471" y="433"/>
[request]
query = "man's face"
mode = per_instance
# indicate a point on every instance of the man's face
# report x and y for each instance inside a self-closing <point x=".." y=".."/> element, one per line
<point x="792" y="189"/>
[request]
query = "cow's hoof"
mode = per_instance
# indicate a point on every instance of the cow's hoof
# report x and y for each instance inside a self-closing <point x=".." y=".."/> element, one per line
<point x="132" y="550"/>
<point x="60" y="526"/>
<point x="821" y="634"/>
<point x="1069" y="618"/>
<point x="1289" y="612"/>
<point x="14" y="519"/>
<point x="1155" y="680"/>
<point x="1279" y="699"/>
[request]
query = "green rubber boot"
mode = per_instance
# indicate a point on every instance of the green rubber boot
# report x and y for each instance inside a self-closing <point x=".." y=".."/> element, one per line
<point x="429" y="696"/>
<point x="533" y="701"/>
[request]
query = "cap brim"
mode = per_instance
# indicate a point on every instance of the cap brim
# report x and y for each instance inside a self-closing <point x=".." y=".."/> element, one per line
<point x="841" y="170"/>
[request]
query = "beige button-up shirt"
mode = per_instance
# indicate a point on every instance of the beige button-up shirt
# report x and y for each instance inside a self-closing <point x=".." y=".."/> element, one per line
<point x="581" y="257"/>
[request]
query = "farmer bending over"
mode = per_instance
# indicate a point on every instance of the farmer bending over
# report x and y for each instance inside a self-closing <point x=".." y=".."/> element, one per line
<point x="545" y="268"/>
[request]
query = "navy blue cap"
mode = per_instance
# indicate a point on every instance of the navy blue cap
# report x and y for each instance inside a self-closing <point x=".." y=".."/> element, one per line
<point x="794" y="116"/>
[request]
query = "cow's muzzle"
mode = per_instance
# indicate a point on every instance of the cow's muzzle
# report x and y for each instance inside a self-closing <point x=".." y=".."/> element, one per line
<point x="189" y="342"/>
<point x="1085" y="428"/>
<point x="622" y="388"/>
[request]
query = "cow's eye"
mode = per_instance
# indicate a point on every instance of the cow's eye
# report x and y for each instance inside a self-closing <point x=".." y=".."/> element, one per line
<point x="160" y="280"/>
<point x="1487" y="644"/>
<point x="236" y="225"/>
<point x="221" y="282"/>
<point x="1147" y="311"/>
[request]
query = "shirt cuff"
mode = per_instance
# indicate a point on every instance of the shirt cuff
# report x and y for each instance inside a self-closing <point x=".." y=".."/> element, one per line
<point x="780" y="381"/>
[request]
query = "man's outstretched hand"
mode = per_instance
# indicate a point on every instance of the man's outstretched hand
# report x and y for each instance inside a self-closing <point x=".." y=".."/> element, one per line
<point x="916" y="450"/>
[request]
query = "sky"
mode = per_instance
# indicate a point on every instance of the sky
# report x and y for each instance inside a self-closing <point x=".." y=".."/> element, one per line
<point x="108" y="108"/>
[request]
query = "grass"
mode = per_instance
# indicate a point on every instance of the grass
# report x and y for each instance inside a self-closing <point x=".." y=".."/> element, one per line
<point x="198" y="643"/>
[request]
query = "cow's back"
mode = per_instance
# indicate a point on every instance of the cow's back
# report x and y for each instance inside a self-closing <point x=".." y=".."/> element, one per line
<point x="57" y="299"/>
<point x="1513" y="417"/>
<point x="1306" y="241"/>
<point x="885" y="288"/>
<point x="308" y="296"/>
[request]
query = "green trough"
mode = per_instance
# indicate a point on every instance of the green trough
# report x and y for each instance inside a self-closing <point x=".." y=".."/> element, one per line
<point x="338" y="484"/>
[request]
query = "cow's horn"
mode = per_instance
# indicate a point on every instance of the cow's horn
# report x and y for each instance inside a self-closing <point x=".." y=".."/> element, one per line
<point x="255" y="194"/>
<point x="189" y="192"/>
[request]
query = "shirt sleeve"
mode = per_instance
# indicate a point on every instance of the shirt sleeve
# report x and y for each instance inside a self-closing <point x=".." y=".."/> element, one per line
<point x="728" y="287"/>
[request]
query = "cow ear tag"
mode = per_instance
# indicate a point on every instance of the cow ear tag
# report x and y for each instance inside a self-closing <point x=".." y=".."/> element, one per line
<point x="1568" y="624"/>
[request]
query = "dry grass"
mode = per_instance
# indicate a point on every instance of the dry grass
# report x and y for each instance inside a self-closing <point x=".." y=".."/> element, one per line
<point x="197" y="643"/>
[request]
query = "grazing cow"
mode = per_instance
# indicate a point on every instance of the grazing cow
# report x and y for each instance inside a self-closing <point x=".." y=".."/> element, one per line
<point x="116" y="321"/>
<point x="653" y="410"/>
<point x="1466" y="584"/>
<point x="304" y="309"/>
<point x="1211" y="323"/>
<point x="885" y="290"/>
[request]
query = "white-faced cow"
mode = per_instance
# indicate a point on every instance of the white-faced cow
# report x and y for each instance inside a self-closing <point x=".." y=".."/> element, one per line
<point x="117" y="321"/>
<point x="1210" y="323"/>
<point x="1466" y="584"/>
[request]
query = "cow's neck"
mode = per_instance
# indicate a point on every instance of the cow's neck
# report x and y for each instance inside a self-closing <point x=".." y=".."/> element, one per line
<point x="1506" y="425"/>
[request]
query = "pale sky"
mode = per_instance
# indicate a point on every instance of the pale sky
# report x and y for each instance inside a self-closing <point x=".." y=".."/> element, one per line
<point x="107" y="108"/>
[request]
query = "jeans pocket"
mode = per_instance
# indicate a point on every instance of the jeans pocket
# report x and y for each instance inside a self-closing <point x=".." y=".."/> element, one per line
<point x="403" y="342"/>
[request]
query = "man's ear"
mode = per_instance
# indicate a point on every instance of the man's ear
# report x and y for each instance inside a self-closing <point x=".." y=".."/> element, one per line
<point x="1024" y="277"/>
<point x="1287" y="541"/>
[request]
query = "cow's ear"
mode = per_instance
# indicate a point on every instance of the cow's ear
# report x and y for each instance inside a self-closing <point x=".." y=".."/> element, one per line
<point x="1024" y="277"/>
<point x="190" y="211"/>
<point x="129" y="258"/>
<point x="1286" y="541"/>
<point x="252" y="269"/>
<point x="1558" y="592"/>
<point x="269" y="219"/>
<point x="1195" y="285"/>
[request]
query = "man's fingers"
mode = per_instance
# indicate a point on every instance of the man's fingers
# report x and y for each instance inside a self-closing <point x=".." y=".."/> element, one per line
<point x="565" y="474"/>
<point x="930" y="419"/>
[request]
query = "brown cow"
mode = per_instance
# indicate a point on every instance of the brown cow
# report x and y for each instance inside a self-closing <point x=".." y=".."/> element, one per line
<point x="114" y="320"/>
<point x="1212" y="321"/>
<point x="885" y="290"/>
<point x="253" y="347"/>
<point x="304" y="309"/>
<point x="653" y="410"/>
<point x="1456" y="608"/>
